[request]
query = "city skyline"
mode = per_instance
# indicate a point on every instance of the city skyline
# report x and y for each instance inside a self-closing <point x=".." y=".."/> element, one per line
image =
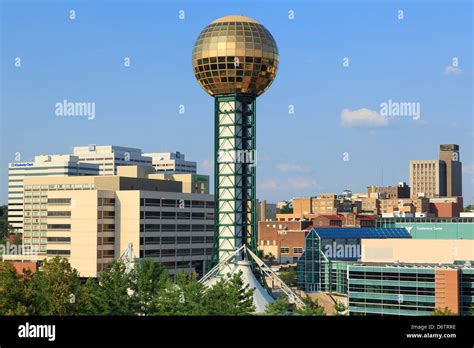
<point x="343" y="104"/>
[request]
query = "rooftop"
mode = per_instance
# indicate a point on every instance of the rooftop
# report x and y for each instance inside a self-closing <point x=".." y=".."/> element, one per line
<point x="361" y="232"/>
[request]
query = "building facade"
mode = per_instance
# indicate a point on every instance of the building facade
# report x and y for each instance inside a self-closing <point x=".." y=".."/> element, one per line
<point x="172" y="163"/>
<point x="283" y="240"/>
<point x="449" y="154"/>
<point x="410" y="289"/>
<point x="44" y="165"/>
<point x="91" y="220"/>
<point x="427" y="178"/>
<point x="401" y="190"/>
<point x="109" y="157"/>
<point x="266" y="211"/>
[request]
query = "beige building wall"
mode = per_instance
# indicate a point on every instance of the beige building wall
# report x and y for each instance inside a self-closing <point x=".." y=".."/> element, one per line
<point x="416" y="250"/>
<point x="127" y="221"/>
<point x="427" y="178"/>
<point x="302" y="205"/>
<point x="91" y="220"/>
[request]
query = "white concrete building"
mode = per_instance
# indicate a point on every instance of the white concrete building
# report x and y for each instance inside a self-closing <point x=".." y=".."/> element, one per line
<point x="44" y="165"/>
<point x="172" y="163"/>
<point x="109" y="157"/>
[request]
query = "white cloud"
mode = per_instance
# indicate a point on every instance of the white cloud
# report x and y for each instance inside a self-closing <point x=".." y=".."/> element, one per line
<point x="362" y="118"/>
<point x="452" y="70"/>
<point x="268" y="184"/>
<point x="303" y="183"/>
<point x="286" y="167"/>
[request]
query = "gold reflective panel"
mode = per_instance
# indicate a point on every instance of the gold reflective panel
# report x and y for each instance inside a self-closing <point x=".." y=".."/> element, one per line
<point x="235" y="54"/>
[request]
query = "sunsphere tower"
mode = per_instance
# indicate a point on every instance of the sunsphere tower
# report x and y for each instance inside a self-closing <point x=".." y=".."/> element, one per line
<point x="235" y="59"/>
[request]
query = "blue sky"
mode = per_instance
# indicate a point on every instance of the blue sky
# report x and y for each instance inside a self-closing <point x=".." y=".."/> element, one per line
<point x="300" y="154"/>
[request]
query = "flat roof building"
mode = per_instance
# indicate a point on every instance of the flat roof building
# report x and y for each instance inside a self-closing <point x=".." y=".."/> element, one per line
<point x="171" y="163"/>
<point x="410" y="289"/>
<point x="109" y="157"/>
<point x="449" y="154"/>
<point x="43" y="165"/>
<point x="90" y="220"/>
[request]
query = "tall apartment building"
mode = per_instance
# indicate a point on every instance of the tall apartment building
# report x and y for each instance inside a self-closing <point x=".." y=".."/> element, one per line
<point x="171" y="163"/>
<point x="449" y="154"/>
<point x="438" y="178"/>
<point x="266" y="211"/>
<point x="109" y="157"/>
<point x="90" y="220"/>
<point x="428" y="178"/>
<point x="44" y="165"/>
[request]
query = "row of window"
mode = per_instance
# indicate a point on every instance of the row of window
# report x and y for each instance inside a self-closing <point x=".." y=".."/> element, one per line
<point x="175" y="203"/>
<point x="414" y="277"/>
<point x="176" y="240"/>
<point x="175" y="252"/>
<point x="171" y="215"/>
<point x="422" y="291"/>
<point x="59" y="226"/>
<point x="58" y="252"/>
<point x="296" y="250"/>
<point x="59" y="213"/>
<point x="59" y="239"/>
<point x="175" y="228"/>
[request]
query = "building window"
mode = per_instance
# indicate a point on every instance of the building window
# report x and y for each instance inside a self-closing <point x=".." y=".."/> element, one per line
<point x="59" y="239"/>
<point x="59" y="252"/>
<point x="298" y="250"/>
<point x="59" y="226"/>
<point x="284" y="250"/>
<point x="59" y="201"/>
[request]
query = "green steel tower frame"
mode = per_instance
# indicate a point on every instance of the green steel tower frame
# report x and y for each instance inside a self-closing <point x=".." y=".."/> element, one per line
<point x="234" y="175"/>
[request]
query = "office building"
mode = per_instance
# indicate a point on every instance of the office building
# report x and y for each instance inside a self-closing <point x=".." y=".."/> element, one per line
<point x="449" y="154"/>
<point x="401" y="190"/>
<point x="427" y="178"/>
<point x="328" y="252"/>
<point x="389" y="273"/>
<point x="171" y="163"/>
<point x="44" y="165"/>
<point x="109" y="157"/>
<point x="410" y="288"/>
<point x="438" y="178"/>
<point x="90" y="220"/>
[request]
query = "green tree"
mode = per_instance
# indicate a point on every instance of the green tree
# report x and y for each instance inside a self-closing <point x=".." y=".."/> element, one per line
<point x="55" y="290"/>
<point x="468" y="208"/>
<point x="279" y="307"/>
<point x="148" y="278"/>
<point x="111" y="295"/>
<point x="185" y="297"/>
<point x="12" y="291"/>
<point x="442" y="311"/>
<point x="229" y="297"/>
<point x="288" y="276"/>
<point x="311" y="308"/>
<point x="287" y="208"/>
<point x="340" y="308"/>
<point x="270" y="257"/>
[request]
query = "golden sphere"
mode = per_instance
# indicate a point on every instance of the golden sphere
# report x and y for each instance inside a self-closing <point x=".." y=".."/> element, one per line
<point x="235" y="54"/>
